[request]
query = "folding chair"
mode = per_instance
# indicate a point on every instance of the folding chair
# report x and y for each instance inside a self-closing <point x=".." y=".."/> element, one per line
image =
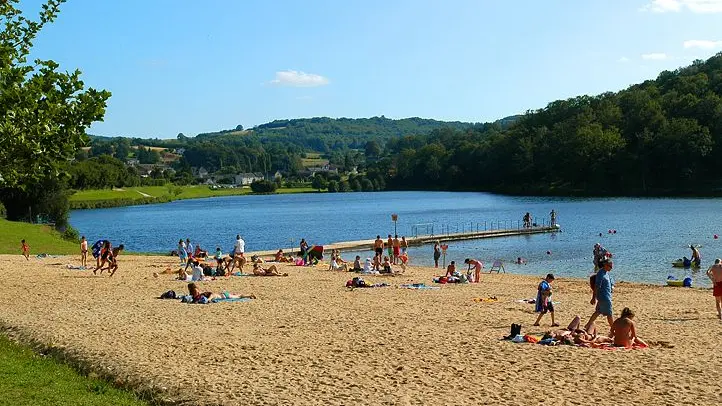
<point x="497" y="266"/>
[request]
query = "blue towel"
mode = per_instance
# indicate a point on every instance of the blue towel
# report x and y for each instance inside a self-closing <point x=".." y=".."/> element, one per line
<point x="237" y="299"/>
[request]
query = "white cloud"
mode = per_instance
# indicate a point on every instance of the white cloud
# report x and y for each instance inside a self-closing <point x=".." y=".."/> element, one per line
<point x="654" y="56"/>
<point x="623" y="59"/>
<point x="675" y="6"/>
<point x="702" y="44"/>
<point x="295" y="78"/>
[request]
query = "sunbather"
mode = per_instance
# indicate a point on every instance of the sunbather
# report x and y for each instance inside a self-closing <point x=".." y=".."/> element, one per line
<point x="270" y="271"/>
<point x="623" y="330"/>
<point x="196" y="294"/>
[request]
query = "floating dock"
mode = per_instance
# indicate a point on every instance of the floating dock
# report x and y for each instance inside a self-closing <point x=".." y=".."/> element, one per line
<point x="364" y="245"/>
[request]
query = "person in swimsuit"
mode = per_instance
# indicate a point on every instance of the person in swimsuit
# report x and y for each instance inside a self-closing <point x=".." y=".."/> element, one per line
<point x="26" y="250"/>
<point x="696" y="257"/>
<point x="196" y="294"/>
<point x="378" y="245"/>
<point x="624" y="332"/>
<point x="105" y="252"/>
<point x="258" y="270"/>
<point x="437" y="254"/>
<point x="404" y="245"/>
<point x="396" y="249"/>
<point x="477" y="268"/>
<point x="390" y="246"/>
<point x="113" y="264"/>
<point x="451" y="269"/>
<point x="83" y="251"/>
<point x="715" y="274"/>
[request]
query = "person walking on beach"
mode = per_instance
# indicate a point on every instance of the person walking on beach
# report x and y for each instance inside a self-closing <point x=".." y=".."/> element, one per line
<point x="397" y="249"/>
<point x="26" y="249"/>
<point x="544" y="302"/>
<point x="715" y="274"/>
<point x="83" y="252"/>
<point x="437" y="254"/>
<point x="602" y="293"/>
<point x="113" y="259"/>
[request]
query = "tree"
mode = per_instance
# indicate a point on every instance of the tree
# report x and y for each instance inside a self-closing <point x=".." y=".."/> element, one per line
<point x="319" y="183"/>
<point x="333" y="186"/>
<point x="43" y="112"/>
<point x="122" y="149"/>
<point x="372" y="149"/>
<point x="263" y="186"/>
<point x="239" y="127"/>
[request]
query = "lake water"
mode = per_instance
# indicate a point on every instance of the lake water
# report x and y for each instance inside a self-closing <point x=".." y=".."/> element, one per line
<point x="650" y="232"/>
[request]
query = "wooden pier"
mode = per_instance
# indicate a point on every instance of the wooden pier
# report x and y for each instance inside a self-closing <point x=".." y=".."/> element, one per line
<point x="364" y="245"/>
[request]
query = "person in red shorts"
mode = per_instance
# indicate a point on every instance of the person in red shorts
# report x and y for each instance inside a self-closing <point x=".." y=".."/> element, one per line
<point x="715" y="274"/>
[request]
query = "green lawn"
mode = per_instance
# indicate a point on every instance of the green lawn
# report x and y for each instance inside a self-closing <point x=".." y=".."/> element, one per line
<point x="136" y="193"/>
<point x="29" y="379"/>
<point x="41" y="239"/>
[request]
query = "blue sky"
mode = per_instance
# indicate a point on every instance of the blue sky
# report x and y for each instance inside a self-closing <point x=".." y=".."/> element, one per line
<point x="187" y="66"/>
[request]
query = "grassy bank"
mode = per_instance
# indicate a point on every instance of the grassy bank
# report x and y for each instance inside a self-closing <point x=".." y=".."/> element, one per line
<point x="100" y="198"/>
<point x="27" y="378"/>
<point x="42" y="239"/>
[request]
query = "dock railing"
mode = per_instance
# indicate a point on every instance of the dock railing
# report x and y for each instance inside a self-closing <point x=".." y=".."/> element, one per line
<point x="445" y="229"/>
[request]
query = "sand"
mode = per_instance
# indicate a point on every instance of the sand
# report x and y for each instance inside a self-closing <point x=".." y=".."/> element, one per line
<point x="308" y="340"/>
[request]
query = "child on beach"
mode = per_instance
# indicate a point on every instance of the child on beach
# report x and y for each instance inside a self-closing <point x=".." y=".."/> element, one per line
<point x="451" y="269"/>
<point x="715" y="274"/>
<point x="387" y="265"/>
<point x="26" y="250"/>
<point x="83" y="252"/>
<point x="357" y="264"/>
<point x="544" y="302"/>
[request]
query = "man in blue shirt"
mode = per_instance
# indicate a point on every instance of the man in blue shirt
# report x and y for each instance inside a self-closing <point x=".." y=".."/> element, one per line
<point x="602" y="294"/>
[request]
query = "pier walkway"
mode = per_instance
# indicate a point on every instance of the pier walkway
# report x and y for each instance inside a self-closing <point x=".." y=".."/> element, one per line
<point x="363" y="245"/>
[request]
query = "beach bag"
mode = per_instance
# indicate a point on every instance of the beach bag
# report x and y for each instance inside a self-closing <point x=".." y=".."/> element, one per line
<point x="515" y="331"/>
<point x="168" y="295"/>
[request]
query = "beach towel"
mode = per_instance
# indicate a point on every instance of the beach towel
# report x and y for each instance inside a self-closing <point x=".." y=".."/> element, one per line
<point x="418" y="286"/>
<point x="77" y="267"/>
<point x="41" y="256"/>
<point x="227" y="299"/>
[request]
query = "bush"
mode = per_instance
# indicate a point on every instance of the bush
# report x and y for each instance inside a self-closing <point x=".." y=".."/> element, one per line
<point x="263" y="186"/>
<point x="333" y="186"/>
<point x="71" y="234"/>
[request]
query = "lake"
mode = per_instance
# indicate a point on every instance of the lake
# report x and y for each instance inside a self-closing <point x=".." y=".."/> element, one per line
<point x="650" y="232"/>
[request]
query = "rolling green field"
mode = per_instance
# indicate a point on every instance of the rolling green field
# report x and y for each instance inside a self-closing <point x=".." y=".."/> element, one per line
<point x="99" y="198"/>
<point x="27" y="378"/>
<point x="40" y="238"/>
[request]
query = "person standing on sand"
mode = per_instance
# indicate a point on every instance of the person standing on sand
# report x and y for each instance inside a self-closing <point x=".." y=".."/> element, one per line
<point x="437" y="254"/>
<point x="182" y="254"/>
<point x="478" y="265"/>
<point x="397" y="249"/>
<point x="544" y="302"/>
<point x="378" y="245"/>
<point x="26" y="249"/>
<point x="404" y="245"/>
<point x="715" y="274"/>
<point x="390" y="246"/>
<point x="83" y="251"/>
<point x="602" y="295"/>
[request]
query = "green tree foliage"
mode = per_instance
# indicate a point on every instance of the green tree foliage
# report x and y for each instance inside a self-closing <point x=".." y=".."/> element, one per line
<point x="43" y="112"/>
<point x="319" y="182"/>
<point x="263" y="186"/>
<point x="333" y="186"/>
<point x="661" y="136"/>
<point x="147" y="155"/>
<point x="43" y="116"/>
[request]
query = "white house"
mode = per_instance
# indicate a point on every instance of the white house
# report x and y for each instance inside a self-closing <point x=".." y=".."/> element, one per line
<point x="245" y="179"/>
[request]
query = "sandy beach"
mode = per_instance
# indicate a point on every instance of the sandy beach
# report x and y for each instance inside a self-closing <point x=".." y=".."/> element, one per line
<point x="307" y="339"/>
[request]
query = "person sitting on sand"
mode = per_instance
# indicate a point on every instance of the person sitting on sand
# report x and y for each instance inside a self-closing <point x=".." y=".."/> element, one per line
<point x="279" y="256"/>
<point x="196" y="294"/>
<point x="624" y="332"/>
<point x="199" y="253"/>
<point x="714" y="273"/>
<point x="386" y="265"/>
<point x="337" y="264"/>
<point x="377" y="263"/>
<point x="357" y="264"/>
<point x="368" y="266"/>
<point x="451" y="269"/>
<point x="258" y="270"/>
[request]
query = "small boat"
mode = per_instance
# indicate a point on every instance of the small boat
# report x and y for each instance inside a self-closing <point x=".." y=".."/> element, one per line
<point x="680" y="263"/>
<point x="671" y="282"/>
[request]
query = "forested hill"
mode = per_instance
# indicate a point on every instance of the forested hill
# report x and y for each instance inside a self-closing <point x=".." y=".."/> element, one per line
<point x="323" y="134"/>
<point x="662" y="136"/>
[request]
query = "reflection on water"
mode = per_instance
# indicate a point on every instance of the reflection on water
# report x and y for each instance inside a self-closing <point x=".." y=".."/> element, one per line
<point x="650" y="232"/>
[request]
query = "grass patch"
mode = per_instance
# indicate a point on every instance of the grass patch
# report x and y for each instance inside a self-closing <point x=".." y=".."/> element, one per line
<point x="40" y="238"/>
<point x="295" y="190"/>
<point x="29" y="379"/>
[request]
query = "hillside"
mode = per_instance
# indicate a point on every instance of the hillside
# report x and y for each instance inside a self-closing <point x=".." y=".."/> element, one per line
<point x="663" y="136"/>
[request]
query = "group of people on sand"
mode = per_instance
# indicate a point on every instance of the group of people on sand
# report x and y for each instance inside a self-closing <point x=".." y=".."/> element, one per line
<point x="453" y="275"/>
<point x="395" y="248"/>
<point x="622" y="331"/>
